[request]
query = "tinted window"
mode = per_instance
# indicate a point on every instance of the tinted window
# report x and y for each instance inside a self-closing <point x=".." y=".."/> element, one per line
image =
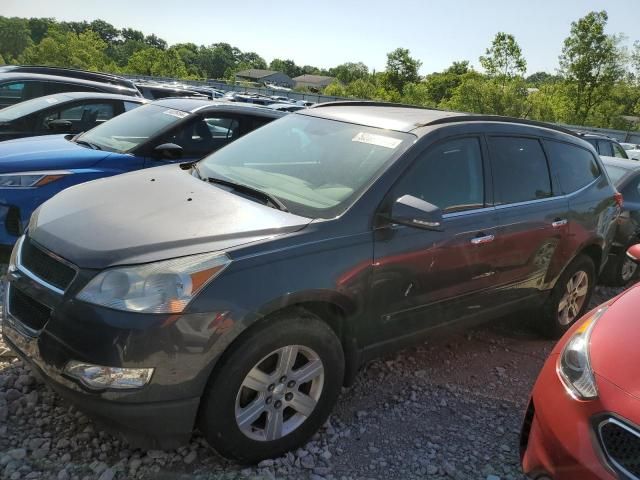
<point x="449" y="176"/>
<point x="618" y="151"/>
<point x="82" y="117"/>
<point x="520" y="171"/>
<point x="605" y="148"/>
<point x="574" y="166"/>
<point x="130" y="105"/>
<point x="28" y="107"/>
<point x="11" y="93"/>
<point x="61" y="87"/>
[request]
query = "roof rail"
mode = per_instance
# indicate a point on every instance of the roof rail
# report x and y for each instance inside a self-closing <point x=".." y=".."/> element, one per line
<point x="499" y="118"/>
<point x="71" y="73"/>
<point x="367" y="103"/>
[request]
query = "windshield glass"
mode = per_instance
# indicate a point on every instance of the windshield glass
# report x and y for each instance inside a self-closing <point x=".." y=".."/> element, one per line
<point x="615" y="173"/>
<point x="28" y="107"/>
<point x="313" y="165"/>
<point x="129" y="130"/>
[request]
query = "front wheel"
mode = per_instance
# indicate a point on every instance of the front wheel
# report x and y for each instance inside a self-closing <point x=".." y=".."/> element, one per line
<point x="274" y="389"/>
<point x="569" y="298"/>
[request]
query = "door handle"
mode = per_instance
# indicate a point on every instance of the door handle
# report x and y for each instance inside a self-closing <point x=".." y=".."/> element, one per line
<point x="559" y="222"/>
<point x="483" y="239"/>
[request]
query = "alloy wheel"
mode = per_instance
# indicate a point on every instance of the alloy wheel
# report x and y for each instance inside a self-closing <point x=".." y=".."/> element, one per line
<point x="279" y="393"/>
<point x="628" y="269"/>
<point x="573" y="299"/>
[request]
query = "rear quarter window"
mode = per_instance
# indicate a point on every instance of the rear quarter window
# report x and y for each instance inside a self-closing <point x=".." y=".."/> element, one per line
<point x="575" y="167"/>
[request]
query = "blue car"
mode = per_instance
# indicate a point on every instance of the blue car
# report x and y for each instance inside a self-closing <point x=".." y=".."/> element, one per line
<point x="34" y="169"/>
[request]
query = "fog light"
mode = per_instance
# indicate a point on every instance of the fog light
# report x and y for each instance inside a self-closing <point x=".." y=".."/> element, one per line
<point x="100" y="378"/>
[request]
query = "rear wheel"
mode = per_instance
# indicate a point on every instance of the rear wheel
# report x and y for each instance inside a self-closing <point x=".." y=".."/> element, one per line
<point x="570" y="297"/>
<point x="274" y="389"/>
<point x="620" y="269"/>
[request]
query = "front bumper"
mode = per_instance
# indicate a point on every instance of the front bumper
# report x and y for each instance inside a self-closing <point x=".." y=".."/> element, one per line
<point x="138" y="422"/>
<point x="558" y="438"/>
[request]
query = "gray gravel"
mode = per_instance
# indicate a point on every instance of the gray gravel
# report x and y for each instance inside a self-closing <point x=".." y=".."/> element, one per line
<point x="447" y="409"/>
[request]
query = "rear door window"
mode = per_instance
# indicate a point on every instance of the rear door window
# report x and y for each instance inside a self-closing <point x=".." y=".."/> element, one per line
<point x="605" y="148"/>
<point x="11" y="93"/>
<point x="574" y="167"/>
<point x="449" y="175"/>
<point x="520" y="170"/>
<point x="618" y="151"/>
<point x="82" y="117"/>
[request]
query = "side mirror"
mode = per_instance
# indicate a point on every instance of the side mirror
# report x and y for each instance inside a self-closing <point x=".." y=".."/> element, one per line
<point x="60" y="125"/>
<point x="414" y="212"/>
<point x="169" y="151"/>
<point x="633" y="252"/>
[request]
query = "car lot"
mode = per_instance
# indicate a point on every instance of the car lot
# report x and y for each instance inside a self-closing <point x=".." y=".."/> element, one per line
<point x="449" y="408"/>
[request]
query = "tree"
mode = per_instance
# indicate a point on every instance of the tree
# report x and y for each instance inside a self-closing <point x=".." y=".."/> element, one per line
<point x="15" y="37"/>
<point x="39" y="28"/>
<point x="215" y="60"/>
<point x="69" y="49"/>
<point x="401" y="69"/>
<point x="350" y="72"/>
<point x="156" y="62"/>
<point x="541" y="78"/>
<point x="439" y="87"/>
<point x="591" y="63"/>
<point x="155" y="42"/>
<point x="287" y="67"/>
<point x="504" y="58"/>
<point x="131" y="34"/>
<point x="107" y="32"/>
<point x="252" y="60"/>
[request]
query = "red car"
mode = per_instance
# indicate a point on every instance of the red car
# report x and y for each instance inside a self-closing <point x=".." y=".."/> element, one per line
<point x="583" y="419"/>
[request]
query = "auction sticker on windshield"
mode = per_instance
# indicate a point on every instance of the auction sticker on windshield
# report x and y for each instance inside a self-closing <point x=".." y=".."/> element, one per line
<point x="176" y="113"/>
<point x="374" y="139"/>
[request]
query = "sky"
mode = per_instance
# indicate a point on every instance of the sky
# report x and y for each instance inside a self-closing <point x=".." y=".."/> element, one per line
<point x="330" y="32"/>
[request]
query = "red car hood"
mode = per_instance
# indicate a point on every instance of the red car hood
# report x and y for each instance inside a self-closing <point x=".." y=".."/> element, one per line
<point x="615" y="341"/>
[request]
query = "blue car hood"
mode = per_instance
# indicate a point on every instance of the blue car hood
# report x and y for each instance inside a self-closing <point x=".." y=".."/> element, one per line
<point x="47" y="152"/>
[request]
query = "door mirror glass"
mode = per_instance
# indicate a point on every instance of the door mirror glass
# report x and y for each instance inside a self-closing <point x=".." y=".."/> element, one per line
<point x="61" y="126"/>
<point x="633" y="252"/>
<point x="168" y="151"/>
<point x="414" y="212"/>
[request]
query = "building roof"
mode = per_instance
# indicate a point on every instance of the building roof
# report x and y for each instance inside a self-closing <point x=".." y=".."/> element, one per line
<point x="256" y="73"/>
<point x="314" y="79"/>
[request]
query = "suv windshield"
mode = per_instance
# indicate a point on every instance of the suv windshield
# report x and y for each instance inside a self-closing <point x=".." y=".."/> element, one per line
<point x="313" y="165"/>
<point x="129" y="130"/>
<point x="28" y="107"/>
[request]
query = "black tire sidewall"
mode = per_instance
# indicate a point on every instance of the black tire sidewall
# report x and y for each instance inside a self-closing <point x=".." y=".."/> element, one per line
<point x="217" y="411"/>
<point x="551" y="327"/>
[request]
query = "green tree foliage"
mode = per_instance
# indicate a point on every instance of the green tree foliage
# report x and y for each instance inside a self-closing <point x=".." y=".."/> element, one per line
<point x="156" y="62"/>
<point x="503" y="59"/>
<point x="39" y="28"/>
<point x="155" y="42"/>
<point x="440" y="86"/>
<point x="286" y="66"/>
<point x="350" y="72"/>
<point x="591" y="63"/>
<point x="15" y="37"/>
<point x="107" y="32"/>
<point x="401" y="69"/>
<point x="542" y="78"/>
<point x="69" y="49"/>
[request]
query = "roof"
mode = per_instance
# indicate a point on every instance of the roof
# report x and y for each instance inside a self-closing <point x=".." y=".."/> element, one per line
<point x="315" y="79"/>
<point x="68" y="73"/>
<point x="406" y="118"/>
<point x="256" y="73"/>
<point x="9" y="75"/>
<point x="100" y="95"/>
<point x="193" y="105"/>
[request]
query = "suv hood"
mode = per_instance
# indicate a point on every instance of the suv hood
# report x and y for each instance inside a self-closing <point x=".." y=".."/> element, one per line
<point x="151" y="215"/>
<point x="48" y="152"/>
<point x="614" y="343"/>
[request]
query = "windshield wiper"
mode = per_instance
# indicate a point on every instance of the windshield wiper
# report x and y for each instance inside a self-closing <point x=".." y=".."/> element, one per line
<point x="240" y="187"/>
<point x="88" y="144"/>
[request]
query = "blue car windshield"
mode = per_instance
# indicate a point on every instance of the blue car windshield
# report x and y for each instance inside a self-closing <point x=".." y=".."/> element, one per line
<point x="128" y="131"/>
<point x="22" y="109"/>
<point x="315" y="166"/>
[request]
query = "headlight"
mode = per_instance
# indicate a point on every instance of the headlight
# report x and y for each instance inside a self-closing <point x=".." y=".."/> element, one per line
<point x="161" y="287"/>
<point x="99" y="378"/>
<point x="30" y="179"/>
<point x="574" y="366"/>
<point x="13" y="259"/>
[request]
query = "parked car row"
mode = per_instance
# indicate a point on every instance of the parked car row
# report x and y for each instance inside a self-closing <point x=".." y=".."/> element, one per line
<point x="237" y="289"/>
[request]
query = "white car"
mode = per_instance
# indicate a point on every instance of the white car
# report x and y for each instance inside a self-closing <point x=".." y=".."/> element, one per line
<point x="632" y="149"/>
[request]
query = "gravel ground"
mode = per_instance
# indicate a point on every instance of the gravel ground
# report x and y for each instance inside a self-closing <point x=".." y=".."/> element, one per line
<point x="447" y="409"/>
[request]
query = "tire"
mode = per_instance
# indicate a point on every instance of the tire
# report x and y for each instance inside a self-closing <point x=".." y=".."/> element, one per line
<point x="619" y="270"/>
<point x="556" y="320"/>
<point x="293" y="338"/>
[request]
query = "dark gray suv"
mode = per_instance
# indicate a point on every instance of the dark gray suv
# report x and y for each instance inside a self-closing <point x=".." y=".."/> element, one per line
<point x="239" y="293"/>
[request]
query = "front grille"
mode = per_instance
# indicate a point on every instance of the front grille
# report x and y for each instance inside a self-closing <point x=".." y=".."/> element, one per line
<point x="46" y="266"/>
<point x="27" y="310"/>
<point x="622" y="446"/>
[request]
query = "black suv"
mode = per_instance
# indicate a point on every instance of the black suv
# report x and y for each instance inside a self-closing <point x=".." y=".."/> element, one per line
<point x="19" y="83"/>
<point x="606" y="146"/>
<point x="239" y="293"/>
